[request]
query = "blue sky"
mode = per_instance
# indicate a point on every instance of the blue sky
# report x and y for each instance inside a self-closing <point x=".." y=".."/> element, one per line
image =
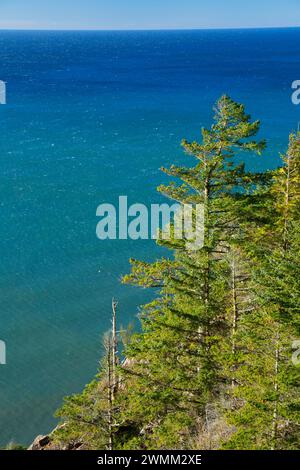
<point x="147" y="14"/>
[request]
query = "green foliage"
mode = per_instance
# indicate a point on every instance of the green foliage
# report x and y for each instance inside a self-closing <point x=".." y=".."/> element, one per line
<point x="267" y="380"/>
<point x="15" y="446"/>
<point x="176" y="364"/>
<point x="216" y="342"/>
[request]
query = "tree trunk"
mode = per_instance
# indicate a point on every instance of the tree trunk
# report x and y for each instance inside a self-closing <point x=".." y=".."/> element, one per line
<point x="110" y="396"/>
<point x="114" y="350"/>
<point x="275" y="408"/>
<point x="287" y="200"/>
<point x="234" y="313"/>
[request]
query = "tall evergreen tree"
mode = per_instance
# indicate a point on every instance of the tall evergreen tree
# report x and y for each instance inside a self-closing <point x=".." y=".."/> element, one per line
<point x="217" y="340"/>
<point x="268" y="415"/>
<point x="91" y="418"/>
<point x="175" y="369"/>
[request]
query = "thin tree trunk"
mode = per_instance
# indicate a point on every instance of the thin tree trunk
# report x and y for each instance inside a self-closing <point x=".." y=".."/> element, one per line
<point x="235" y="314"/>
<point x="287" y="200"/>
<point x="275" y="408"/>
<point x="112" y="362"/>
<point x="114" y="350"/>
<point x="207" y="233"/>
<point x="110" y="396"/>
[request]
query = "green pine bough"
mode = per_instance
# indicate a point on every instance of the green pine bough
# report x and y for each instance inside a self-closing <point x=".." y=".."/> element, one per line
<point x="212" y="366"/>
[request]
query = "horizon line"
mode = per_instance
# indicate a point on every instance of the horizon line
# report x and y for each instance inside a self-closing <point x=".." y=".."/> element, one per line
<point x="225" y="28"/>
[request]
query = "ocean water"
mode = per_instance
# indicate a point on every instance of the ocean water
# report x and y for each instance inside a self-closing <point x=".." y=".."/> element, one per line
<point x="91" y="116"/>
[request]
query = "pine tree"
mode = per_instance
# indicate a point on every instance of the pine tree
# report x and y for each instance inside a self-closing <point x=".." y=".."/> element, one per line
<point x="175" y="372"/>
<point x="269" y="411"/>
<point x="217" y="341"/>
<point x="90" y="419"/>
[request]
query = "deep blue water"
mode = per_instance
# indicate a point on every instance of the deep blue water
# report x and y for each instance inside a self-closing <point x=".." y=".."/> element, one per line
<point x="91" y="116"/>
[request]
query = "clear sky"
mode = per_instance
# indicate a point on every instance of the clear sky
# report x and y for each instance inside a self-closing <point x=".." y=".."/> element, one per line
<point x="147" y="14"/>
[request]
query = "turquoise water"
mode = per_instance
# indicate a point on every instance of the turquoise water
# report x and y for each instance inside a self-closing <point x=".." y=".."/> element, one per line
<point x="91" y="116"/>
